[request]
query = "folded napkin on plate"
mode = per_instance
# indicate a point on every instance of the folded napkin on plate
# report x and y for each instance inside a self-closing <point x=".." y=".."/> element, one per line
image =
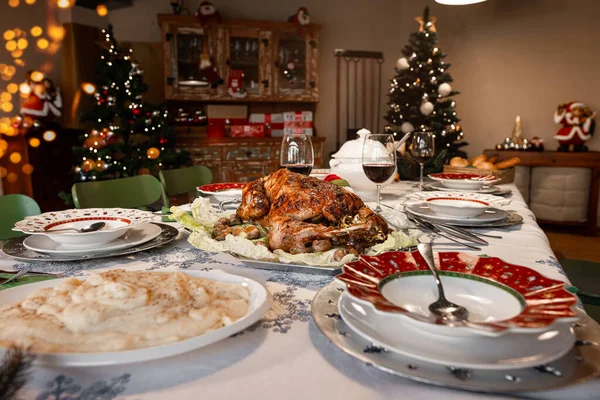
<point x="22" y="280"/>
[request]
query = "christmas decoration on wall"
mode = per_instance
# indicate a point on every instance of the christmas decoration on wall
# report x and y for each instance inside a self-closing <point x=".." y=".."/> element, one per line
<point x="421" y="98"/>
<point x="126" y="135"/>
<point x="236" y="84"/>
<point x="578" y="125"/>
<point x="300" y="20"/>
<point x="208" y="15"/>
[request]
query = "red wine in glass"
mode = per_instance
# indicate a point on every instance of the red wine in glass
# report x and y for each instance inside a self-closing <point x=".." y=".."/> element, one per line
<point x="304" y="169"/>
<point x="379" y="173"/>
<point x="422" y="159"/>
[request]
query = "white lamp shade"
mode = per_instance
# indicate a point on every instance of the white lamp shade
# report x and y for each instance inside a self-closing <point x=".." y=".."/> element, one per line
<point x="458" y="2"/>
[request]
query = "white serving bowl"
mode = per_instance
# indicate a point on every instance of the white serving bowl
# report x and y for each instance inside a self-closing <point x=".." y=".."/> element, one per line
<point x="464" y="181"/>
<point x="457" y="207"/>
<point x="347" y="164"/>
<point x="117" y="220"/>
<point x="223" y="191"/>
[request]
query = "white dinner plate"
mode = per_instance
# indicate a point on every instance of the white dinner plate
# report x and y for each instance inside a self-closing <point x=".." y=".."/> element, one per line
<point x="133" y="237"/>
<point x="490" y="215"/>
<point x="259" y="305"/>
<point x="510" y="351"/>
<point x="440" y="186"/>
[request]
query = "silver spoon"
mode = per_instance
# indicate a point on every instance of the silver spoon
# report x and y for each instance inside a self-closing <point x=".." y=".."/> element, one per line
<point x="96" y="226"/>
<point x="442" y="306"/>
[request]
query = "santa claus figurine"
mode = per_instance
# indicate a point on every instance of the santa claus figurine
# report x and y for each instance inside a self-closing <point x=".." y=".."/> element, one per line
<point x="301" y="19"/>
<point x="235" y="86"/>
<point x="44" y="102"/>
<point x="577" y="126"/>
<point x="207" y="14"/>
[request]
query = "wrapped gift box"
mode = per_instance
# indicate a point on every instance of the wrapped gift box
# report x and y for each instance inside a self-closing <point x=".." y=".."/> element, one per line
<point x="273" y="123"/>
<point x="221" y="115"/>
<point x="298" y="122"/>
<point x="247" y="131"/>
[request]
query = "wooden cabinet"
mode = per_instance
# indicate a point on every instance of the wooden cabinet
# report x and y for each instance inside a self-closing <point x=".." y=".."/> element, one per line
<point x="278" y="63"/>
<point x="240" y="159"/>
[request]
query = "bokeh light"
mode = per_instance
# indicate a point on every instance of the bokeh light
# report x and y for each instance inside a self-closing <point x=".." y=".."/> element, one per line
<point x="3" y="145"/>
<point x="63" y="3"/>
<point x="11" y="131"/>
<point x="7" y="107"/>
<point x="3" y="172"/>
<point x="101" y="10"/>
<point x="37" y="76"/>
<point x="88" y="88"/>
<point x="27" y="169"/>
<point x="56" y="33"/>
<point x="19" y="62"/>
<point x="10" y="70"/>
<point x="15" y="157"/>
<point x="49" y="136"/>
<point x="11" y="45"/>
<point x="12" y="177"/>
<point x="5" y="96"/>
<point x="36" y="31"/>
<point x="16" y="53"/>
<point x="12" y="88"/>
<point x="13" y="3"/>
<point x="42" y="43"/>
<point x="22" y="43"/>
<point x="34" y="142"/>
<point x="30" y="2"/>
<point x="9" y="34"/>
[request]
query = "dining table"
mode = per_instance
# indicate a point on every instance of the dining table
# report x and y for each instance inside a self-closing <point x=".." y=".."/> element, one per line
<point x="284" y="355"/>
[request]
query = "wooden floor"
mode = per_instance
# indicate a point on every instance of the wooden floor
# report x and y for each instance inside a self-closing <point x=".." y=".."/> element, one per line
<point x="575" y="246"/>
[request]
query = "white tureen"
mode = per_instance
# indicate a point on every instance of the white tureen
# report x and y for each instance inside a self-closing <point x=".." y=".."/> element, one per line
<point x="347" y="164"/>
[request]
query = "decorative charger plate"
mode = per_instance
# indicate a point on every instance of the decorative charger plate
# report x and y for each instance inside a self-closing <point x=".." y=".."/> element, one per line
<point x="16" y="249"/>
<point x="512" y="298"/>
<point x="129" y="217"/>
<point x="259" y="304"/>
<point x="463" y="177"/>
<point x="580" y="364"/>
<point x="489" y="216"/>
<point x="493" y="200"/>
<point x="229" y="189"/>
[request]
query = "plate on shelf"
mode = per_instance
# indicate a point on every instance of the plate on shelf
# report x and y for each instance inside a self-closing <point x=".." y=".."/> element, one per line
<point x="132" y="237"/>
<point x="440" y="186"/>
<point x="502" y="298"/>
<point x="519" y="350"/>
<point x="16" y="249"/>
<point x="259" y="304"/>
<point x="490" y="215"/>
<point x="223" y="191"/>
<point x="580" y="364"/>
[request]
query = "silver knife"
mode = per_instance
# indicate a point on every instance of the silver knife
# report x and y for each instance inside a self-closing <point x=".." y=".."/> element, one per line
<point x="428" y="227"/>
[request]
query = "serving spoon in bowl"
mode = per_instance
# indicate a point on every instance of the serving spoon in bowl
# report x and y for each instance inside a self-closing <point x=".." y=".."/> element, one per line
<point x="442" y="307"/>
<point x="96" y="226"/>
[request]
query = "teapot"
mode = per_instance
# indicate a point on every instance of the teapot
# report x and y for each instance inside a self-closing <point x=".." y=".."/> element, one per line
<point x="347" y="164"/>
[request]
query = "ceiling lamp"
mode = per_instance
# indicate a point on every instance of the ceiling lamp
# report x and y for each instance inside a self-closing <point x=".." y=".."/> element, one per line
<point x="458" y="2"/>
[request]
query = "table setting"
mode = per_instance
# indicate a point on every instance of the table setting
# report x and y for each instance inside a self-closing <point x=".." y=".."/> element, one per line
<point x="297" y="287"/>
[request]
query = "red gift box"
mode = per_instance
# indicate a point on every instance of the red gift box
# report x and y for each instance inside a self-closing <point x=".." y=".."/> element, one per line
<point x="247" y="131"/>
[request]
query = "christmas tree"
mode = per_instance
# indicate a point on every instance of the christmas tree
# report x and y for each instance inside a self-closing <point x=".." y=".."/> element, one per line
<point x="127" y="136"/>
<point x="421" y="95"/>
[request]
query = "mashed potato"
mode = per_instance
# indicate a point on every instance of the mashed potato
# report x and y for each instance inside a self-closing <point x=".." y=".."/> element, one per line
<point x="121" y="310"/>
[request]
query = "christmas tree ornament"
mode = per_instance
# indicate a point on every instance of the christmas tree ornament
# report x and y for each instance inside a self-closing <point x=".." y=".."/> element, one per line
<point x="402" y="64"/>
<point x="444" y="89"/>
<point x="100" y="165"/>
<point x="143" y="171"/>
<point x="426" y="108"/>
<point x="88" y="165"/>
<point x="153" y="153"/>
<point x="208" y="15"/>
<point x="407" y="127"/>
<point x="236" y="87"/>
<point x="578" y="126"/>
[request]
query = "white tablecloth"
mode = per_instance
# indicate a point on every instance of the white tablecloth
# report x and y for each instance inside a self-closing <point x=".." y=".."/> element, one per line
<point x="284" y="356"/>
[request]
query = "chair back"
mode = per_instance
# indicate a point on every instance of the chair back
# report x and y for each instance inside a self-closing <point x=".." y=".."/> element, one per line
<point x="134" y="192"/>
<point x="183" y="180"/>
<point x="13" y="208"/>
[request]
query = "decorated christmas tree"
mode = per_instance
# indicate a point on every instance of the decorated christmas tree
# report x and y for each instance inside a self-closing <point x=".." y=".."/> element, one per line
<point x="127" y="136"/>
<point x="421" y="95"/>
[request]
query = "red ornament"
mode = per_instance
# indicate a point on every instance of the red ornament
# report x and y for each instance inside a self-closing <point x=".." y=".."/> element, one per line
<point x="137" y="111"/>
<point x="162" y="141"/>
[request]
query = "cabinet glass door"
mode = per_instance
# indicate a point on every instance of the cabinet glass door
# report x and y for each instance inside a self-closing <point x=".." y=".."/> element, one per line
<point x="291" y="64"/>
<point x="244" y="56"/>
<point x="192" y="60"/>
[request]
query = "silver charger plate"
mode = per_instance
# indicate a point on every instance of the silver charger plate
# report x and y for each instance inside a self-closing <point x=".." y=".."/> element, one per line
<point x="16" y="249"/>
<point x="513" y="218"/>
<point x="440" y="186"/>
<point x="580" y="364"/>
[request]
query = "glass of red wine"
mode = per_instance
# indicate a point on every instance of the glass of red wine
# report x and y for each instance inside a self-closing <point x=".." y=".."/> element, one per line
<point x="422" y="148"/>
<point x="297" y="154"/>
<point x="379" y="160"/>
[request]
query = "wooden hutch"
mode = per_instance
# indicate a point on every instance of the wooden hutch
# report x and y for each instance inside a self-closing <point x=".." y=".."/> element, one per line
<point x="262" y="50"/>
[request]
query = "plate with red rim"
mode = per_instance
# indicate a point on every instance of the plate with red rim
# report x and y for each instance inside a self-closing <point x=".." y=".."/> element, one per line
<point x="117" y="222"/>
<point x="464" y="181"/>
<point x="501" y="297"/>
<point x="495" y="201"/>
<point x="490" y="215"/>
<point x="457" y="207"/>
<point x="223" y="191"/>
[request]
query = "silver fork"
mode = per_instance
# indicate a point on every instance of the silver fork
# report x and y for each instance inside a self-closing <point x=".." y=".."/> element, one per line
<point x="15" y="276"/>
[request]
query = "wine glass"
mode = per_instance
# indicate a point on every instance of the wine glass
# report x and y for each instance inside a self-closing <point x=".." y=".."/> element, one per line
<point x="422" y="149"/>
<point x="297" y="154"/>
<point x="379" y="160"/>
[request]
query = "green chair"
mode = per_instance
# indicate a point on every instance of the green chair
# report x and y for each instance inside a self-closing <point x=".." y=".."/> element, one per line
<point x="13" y="208"/>
<point x="585" y="276"/>
<point x="183" y="180"/>
<point x="134" y="192"/>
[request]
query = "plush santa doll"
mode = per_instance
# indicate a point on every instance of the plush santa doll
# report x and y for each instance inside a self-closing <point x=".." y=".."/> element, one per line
<point x="301" y="19"/>
<point x="207" y="14"/>
<point x="236" y="88"/>
<point x="577" y="126"/>
<point x="208" y="69"/>
<point x="44" y="102"/>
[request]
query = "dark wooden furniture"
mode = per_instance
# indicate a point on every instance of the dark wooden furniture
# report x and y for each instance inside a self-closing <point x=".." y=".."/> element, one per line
<point x="240" y="159"/>
<point x="589" y="160"/>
